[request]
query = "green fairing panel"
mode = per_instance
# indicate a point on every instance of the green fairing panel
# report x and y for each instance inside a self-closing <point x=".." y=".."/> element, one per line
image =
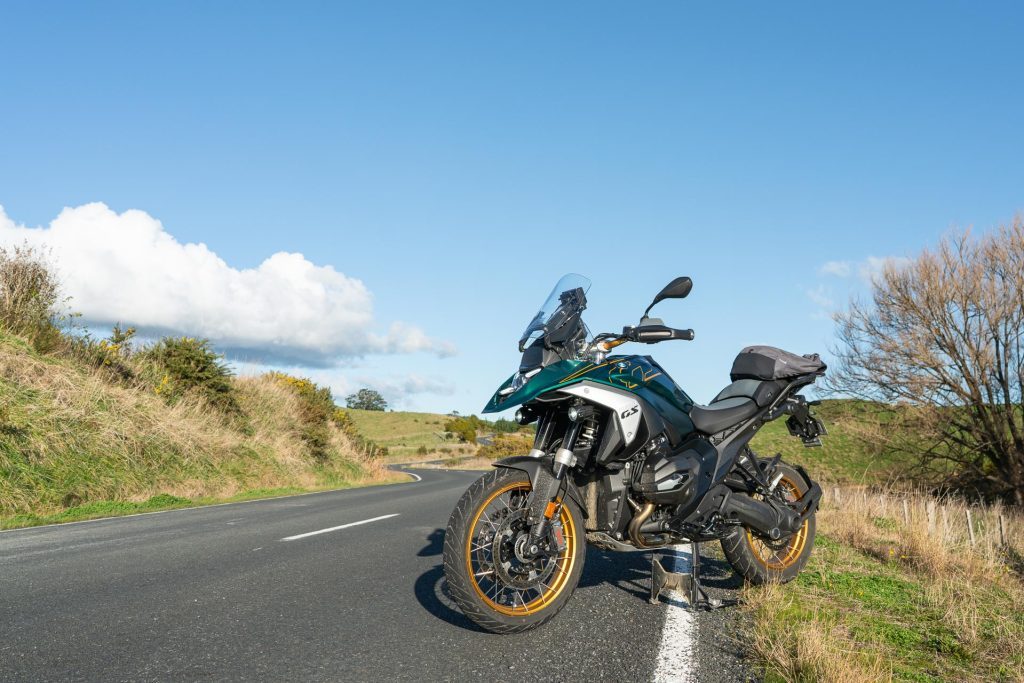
<point x="637" y="374"/>
<point x="545" y="380"/>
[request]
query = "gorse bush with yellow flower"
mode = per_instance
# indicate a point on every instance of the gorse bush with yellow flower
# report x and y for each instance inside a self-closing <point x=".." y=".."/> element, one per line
<point x="180" y="366"/>
<point x="316" y="410"/>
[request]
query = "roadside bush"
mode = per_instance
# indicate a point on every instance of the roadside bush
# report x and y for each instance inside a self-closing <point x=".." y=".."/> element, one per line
<point x="464" y="428"/>
<point x="505" y="445"/>
<point x="113" y="354"/>
<point x="317" y="411"/>
<point x="29" y="297"/>
<point x="186" y="365"/>
<point x="505" y="426"/>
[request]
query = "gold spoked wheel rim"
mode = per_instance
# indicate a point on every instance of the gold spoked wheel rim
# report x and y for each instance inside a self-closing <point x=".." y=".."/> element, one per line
<point x="484" y="551"/>
<point x="779" y="556"/>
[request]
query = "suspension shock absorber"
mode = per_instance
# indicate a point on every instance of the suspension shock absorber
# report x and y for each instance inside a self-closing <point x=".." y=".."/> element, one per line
<point x="545" y="495"/>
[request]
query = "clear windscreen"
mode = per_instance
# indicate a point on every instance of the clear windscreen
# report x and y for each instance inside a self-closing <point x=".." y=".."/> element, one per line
<point x="562" y="296"/>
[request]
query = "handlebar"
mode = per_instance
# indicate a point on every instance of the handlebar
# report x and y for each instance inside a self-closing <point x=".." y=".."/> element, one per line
<point x="647" y="334"/>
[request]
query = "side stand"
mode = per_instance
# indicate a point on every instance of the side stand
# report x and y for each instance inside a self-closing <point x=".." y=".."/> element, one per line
<point x="661" y="579"/>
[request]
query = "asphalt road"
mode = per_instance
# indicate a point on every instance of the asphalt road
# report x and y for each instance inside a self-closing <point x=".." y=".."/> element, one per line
<point x="214" y="593"/>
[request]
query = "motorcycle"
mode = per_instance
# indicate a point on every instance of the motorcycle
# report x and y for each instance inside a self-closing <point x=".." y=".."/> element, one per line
<point x="624" y="460"/>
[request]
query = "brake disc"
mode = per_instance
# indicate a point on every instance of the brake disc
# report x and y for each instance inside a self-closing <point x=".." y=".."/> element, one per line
<point x="511" y="564"/>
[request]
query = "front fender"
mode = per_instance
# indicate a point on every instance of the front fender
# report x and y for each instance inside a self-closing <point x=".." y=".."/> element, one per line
<point x="534" y="467"/>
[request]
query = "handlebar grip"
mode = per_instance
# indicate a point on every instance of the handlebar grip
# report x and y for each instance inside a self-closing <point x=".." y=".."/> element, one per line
<point x="651" y="334"/>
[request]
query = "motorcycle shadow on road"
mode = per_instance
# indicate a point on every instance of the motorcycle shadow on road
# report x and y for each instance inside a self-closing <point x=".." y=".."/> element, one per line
<point x="629" y="572"/>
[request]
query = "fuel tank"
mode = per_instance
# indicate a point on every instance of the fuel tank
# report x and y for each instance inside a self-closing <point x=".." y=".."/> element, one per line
<point x="643" y="376"/>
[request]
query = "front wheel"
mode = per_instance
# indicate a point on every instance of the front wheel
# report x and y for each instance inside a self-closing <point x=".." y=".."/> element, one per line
<point x="489" y="576"/>
<point x="760" y="560"/>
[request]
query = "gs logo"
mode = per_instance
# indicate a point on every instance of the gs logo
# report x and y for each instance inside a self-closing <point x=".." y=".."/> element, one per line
<point x="630" y="411"/>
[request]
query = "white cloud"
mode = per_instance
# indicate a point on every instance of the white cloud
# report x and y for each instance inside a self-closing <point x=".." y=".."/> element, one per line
<point x="867" y="270"/>
<point x="873" y="266"/>
<point x="837" y="268"/>
<point x="397" y="389"/>
<point x="821" y="297"/>
<point x="127" y="268"/>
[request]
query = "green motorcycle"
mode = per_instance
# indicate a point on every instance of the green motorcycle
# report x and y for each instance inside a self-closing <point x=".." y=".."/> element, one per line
<point x="624" y="460"/>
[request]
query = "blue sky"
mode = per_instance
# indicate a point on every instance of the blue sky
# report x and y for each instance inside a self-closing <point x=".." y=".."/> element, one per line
<point x="458" y="158"/>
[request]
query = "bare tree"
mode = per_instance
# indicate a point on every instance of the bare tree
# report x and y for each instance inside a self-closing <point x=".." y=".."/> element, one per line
<point x="942" y="343"/>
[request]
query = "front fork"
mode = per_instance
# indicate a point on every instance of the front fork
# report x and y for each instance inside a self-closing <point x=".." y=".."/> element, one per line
<point x="547" y="488"/>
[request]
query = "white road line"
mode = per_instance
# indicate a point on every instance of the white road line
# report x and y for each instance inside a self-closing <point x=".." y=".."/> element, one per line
<point x="413" y="474"/>
<point x="336" y="528"/>
<point x="676" y="661"/>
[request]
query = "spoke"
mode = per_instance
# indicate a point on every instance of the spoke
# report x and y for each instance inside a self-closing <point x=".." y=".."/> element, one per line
<point x="487" y="518"/>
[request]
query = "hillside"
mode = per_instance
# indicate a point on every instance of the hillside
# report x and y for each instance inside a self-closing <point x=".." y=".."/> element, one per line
<point x="402" y="433"/>
<point x="409" y="435"/>
<point x="843" y="459"/>
<point x="78" y="440"/>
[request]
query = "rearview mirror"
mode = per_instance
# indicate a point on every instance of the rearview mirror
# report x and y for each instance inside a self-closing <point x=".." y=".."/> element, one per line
<point x="677" y="289"/>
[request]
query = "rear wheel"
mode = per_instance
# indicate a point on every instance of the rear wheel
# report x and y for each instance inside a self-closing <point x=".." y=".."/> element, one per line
<point x="489" y="576"/>
<point x="760" y="560"/>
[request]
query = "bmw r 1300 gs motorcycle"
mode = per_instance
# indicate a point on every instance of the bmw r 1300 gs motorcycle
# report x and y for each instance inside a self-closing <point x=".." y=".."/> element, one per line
<point x="624" y="460"/>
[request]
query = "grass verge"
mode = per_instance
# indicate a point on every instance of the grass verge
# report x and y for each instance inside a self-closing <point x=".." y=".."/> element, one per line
<point x="897" y="594"/>
<point x="164" y="501"/>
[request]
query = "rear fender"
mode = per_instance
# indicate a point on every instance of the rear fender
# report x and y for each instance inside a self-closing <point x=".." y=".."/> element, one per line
<point x="537" y="468"/>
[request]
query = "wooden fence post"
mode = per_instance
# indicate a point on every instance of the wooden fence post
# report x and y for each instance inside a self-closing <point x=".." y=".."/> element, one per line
<point x="1002" y="530"/>
<point x="906" y="512"/>
<point x="970" y="526"/>
<point x="837" y="495"/>
<point x="930" y="510"/>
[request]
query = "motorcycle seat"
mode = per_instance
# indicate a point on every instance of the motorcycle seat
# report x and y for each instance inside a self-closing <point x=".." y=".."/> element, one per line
<point x="719" y="415"/>
<point x="737" y="402"/>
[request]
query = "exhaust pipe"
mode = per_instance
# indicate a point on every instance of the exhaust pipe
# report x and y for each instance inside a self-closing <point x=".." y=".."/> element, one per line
<point x="641" y="540"/>
<point x="754" y="514"/>
<point x="764" y="518"/>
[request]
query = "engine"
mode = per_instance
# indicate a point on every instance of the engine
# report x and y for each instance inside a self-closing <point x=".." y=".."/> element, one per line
<point x="677" y="477"/>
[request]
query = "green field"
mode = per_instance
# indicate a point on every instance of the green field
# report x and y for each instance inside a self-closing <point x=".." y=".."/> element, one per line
<point x="843" y="459"/>
<point x="404" y="433"/>
<point x="844" y="456"/>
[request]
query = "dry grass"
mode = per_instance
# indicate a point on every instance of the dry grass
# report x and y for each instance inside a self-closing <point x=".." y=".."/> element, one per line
<point x="898" y="593"/>
<point x="69" y="436"/>
<point x="929" y="534"/>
